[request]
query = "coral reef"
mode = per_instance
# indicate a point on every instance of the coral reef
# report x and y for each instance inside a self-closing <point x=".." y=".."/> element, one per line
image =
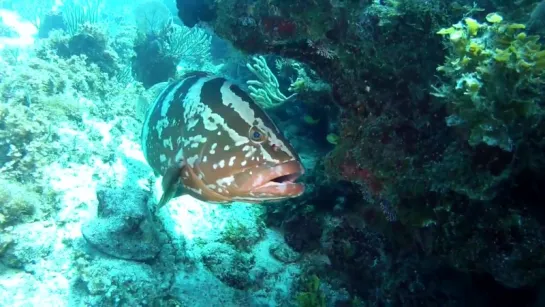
<point x="20" y="204"/>
<point x="483" y="96"/>
<point x="42" y="97"/>
<point x="430" y="194"/>
<point x="76" y="227"/>
<point x="63" y="122"/>
<point x="111" y="282"/>
<point x="312" y="296"/>
<point x="243" y="236"/>
<point x="265" y="91"/>
<point x="90" y="40"/>
<point x="438" y="150"/>
<point x="228" y="265"/>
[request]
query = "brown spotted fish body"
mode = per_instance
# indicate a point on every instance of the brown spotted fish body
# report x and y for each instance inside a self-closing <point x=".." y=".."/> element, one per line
<point x="209" y="139"/>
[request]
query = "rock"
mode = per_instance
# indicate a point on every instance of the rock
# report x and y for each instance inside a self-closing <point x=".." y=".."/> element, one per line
<point x="284" y="253"/>
<point x="303" y="234"/>
<point x="228" y="265"/>
<point x="123" y="228"/>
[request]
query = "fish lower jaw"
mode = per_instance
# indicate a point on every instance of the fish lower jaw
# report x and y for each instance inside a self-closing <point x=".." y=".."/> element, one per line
<point x="274" y="189"/>
<point x="275" y="183"/>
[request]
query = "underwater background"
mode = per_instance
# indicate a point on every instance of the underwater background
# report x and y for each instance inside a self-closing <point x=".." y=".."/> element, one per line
<point x="420" y="124"/>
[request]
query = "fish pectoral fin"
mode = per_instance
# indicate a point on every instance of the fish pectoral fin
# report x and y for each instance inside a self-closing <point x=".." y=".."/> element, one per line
<point x="172" y="186"/>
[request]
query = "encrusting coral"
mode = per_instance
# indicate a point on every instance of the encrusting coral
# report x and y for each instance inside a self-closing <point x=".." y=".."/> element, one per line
<point x="494" y="72"/>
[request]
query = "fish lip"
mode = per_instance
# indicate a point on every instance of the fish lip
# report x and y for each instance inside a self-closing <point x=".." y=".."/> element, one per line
<point x="279" y="180"/>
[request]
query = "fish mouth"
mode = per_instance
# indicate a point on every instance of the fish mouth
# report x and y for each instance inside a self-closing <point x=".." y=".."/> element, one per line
<point x="278" y="182"/>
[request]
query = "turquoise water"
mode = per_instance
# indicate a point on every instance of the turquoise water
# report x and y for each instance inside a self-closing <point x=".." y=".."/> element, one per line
<point x="415" y="126"/>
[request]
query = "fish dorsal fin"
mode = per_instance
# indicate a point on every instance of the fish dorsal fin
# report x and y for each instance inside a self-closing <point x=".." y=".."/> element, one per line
<point x="171" y="185"/>
<point x="145" y="100"/>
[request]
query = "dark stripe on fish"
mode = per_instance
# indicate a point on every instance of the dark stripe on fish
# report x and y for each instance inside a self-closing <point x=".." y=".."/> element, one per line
<point x="173" y="129"/>
<point x="153" y="153"/>
<point x="211" y="92"/>
<point x="259" y="113"/>
<point x="200" y="74"/>
<point x="165" y="93"/>
<point x="177" y="105"/>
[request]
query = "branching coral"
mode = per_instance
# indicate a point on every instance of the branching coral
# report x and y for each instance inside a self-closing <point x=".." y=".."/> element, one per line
<point x="78" y="13"/>
<point x="162" y="45"/>
<point x="265" y="90"/>
<point x="189" y="44"/>
<point x="152" y="17"/>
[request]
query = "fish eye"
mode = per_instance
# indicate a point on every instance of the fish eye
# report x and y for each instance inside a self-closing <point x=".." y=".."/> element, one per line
<point x="256" y="135"/>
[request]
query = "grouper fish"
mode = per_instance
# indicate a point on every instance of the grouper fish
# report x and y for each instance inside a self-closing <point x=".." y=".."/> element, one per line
<point x="209" y="139"/>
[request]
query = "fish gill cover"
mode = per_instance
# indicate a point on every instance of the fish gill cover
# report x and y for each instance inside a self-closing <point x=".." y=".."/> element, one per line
<point x="419" y="125"/>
